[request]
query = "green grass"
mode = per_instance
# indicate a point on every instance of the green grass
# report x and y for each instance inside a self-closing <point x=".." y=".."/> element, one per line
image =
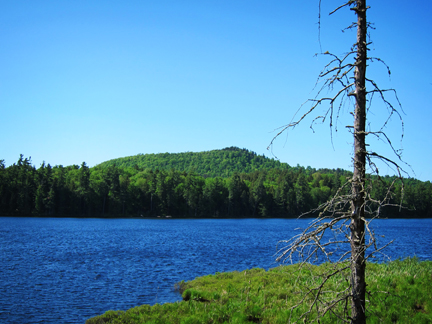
<point x="398" y="292"/>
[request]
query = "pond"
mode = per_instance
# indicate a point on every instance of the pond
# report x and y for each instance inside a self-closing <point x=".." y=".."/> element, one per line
<point x="66" y="270"/>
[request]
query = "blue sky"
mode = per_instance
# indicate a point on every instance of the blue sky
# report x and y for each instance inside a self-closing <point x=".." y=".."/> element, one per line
<point x="96" y="80"/>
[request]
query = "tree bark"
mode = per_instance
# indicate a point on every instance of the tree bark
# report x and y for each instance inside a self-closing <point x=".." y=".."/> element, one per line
<point x="358" y="184"/>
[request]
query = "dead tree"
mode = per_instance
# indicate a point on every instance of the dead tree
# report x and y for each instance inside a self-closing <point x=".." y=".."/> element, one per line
<point x="348" y="214"/>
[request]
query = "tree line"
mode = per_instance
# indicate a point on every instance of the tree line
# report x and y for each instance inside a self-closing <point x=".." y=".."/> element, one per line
<point x="112" y="191"/>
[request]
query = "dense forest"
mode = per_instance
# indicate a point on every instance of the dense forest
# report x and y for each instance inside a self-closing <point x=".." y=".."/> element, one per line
<point x="216" y="163"/>
<point x="232" y="182"/>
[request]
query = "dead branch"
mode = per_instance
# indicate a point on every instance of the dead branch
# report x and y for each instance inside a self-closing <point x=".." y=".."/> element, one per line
<point x="349" y="3"/>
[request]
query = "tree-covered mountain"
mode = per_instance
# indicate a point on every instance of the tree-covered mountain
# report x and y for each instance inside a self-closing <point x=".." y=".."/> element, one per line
<point x="215" y="163"/>
<point x="116" y="190"/>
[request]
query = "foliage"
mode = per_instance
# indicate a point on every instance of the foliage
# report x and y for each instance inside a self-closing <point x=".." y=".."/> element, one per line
<point x="112" y="191"/>
<point x="216" y="163"/>
<point x="398" y="292"/>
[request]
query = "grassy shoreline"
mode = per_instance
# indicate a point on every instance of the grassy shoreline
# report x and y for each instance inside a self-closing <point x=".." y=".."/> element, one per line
<point x="398" y="292"/>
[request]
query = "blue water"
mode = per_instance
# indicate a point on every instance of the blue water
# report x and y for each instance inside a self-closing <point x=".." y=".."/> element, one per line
<point x="67" y="270"/>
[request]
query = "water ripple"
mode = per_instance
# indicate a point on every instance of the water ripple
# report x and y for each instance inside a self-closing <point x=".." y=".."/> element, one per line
<point x="67" y="270"/>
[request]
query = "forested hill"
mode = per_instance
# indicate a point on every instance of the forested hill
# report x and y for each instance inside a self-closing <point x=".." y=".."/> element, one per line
<point x="216" y="163"/>
<point x="184" y="185"/>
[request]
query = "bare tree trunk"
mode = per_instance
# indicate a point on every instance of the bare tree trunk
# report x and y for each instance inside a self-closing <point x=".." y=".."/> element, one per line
<point x="358" y="184"/>
<point x="337" y="212"/>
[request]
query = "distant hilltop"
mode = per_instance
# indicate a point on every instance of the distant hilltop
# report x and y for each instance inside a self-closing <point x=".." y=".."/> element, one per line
<point x="215" y="163"/>
<point x="231" y="182"/>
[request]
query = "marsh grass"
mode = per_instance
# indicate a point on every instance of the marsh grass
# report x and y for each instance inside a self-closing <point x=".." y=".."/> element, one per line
<point x="398" y="292"/>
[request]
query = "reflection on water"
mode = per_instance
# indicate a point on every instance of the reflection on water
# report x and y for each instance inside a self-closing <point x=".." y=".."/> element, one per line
<point x="67" y="270"/>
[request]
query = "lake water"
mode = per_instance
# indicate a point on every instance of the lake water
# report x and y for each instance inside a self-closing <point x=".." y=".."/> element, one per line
<point x="55" y="270"/>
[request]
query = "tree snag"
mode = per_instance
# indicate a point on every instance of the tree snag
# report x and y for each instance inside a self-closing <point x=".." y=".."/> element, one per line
<point x="348" y="214"/>
<point x="357" y="226"/>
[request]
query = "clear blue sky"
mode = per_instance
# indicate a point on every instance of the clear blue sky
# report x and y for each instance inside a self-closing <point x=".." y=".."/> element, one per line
<point x="96" y="80"/>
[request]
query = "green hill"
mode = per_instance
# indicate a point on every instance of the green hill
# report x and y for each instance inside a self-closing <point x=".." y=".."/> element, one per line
<point x="216" y="163"/>
<point x="231" y="182"/>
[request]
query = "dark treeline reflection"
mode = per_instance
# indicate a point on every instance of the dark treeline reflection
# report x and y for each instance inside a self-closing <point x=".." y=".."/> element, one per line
<point x="111" y="191"/>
